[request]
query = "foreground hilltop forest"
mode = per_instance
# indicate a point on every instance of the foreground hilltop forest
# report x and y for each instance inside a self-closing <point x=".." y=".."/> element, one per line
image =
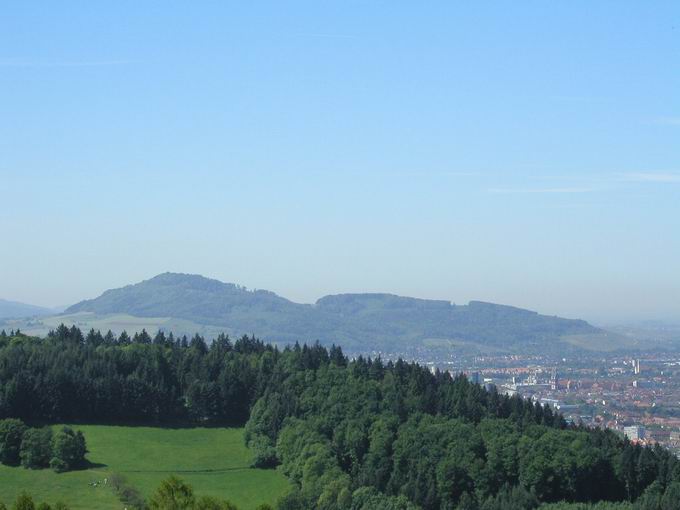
<point x="356" y="434"/>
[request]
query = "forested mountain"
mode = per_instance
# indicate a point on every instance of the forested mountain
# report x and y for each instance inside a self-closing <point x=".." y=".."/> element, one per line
<point x="350" y="434"/>
<point x="15" y="310"/>
<point x="359" y="322"/>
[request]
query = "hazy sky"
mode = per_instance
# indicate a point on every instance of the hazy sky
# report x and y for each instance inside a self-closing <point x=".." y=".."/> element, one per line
<point x="518" y="152"/>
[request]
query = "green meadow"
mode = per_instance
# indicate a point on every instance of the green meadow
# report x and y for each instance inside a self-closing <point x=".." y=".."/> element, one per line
<point x="213" y="460"/>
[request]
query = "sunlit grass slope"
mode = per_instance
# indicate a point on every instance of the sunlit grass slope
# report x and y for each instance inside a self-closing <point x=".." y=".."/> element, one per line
<point x="214" y="461"/>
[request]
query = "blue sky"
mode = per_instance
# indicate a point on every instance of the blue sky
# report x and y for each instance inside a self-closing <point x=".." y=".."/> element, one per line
<point x="519" y="152"/>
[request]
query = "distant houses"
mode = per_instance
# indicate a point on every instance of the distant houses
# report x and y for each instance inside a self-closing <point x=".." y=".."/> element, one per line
<point x="634" y="432"/>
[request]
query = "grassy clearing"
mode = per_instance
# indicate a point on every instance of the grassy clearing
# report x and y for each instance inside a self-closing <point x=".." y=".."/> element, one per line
<point x="214" y="461"/>
<point x="604" y="342"/>
<point x="454" y="343"/>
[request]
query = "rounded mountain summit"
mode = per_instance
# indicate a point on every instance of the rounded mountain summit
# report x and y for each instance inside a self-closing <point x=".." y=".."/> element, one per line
<point x="357" y="322"/>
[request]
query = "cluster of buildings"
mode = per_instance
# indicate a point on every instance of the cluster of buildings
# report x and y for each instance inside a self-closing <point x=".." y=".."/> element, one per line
<point x="639" y="397"/>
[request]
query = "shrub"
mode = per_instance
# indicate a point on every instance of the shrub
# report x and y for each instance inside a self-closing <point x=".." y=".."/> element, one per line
<point x="264" y="453"/>
<point x="11" y="434"/>
<point x="210" y="503"/>
<point x="36" y="448"/>
<point x="265" y="458"/>
<point x="24" y="502"/>
<point x="68" y="450"/>
<point x="127" y="494"/>
<point x="173" y="494"/>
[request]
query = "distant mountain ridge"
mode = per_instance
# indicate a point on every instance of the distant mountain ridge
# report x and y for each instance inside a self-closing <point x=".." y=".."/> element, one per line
<point x="185" y="296"/>
<point x="16" y="310"/>
<point x="355" y="321"/>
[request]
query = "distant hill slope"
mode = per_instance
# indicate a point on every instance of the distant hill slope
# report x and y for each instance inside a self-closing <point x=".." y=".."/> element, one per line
<point x="184" y="296"/>
<point x="15" y="310"/>
<point x="358" y="322"/>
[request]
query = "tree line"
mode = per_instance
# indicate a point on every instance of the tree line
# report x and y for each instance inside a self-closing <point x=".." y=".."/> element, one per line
<point x="172" y="494"/>
<point x="24" y="501"/>
<point x="37" y="448"/>
<point x="356" y="434"/>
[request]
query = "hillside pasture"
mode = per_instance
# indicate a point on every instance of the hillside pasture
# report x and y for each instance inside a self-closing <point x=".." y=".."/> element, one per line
<point x="213" y="460"/>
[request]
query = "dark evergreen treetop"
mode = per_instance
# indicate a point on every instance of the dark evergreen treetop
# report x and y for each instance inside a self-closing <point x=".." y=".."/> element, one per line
<point x="349" y="434"/>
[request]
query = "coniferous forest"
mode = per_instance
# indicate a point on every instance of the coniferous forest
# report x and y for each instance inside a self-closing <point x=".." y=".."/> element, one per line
<point x="350" y="434"/>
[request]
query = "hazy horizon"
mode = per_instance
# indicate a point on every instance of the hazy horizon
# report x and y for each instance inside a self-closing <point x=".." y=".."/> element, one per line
<point x="526" y="155"/>
<point x="598" y="320"/>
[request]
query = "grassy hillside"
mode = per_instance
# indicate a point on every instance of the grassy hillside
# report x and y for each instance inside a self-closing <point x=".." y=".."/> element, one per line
<point x="214" y="461"/>
<point x="605" y="341"/>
